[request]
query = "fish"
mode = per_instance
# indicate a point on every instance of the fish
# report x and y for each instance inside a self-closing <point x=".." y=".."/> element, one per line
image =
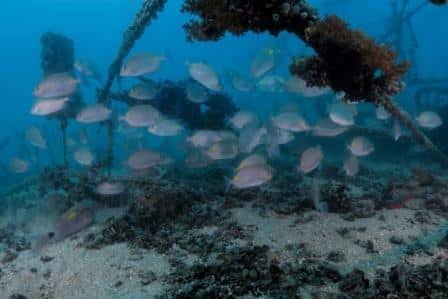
<point x="396" y="130"/>
<point x="87" y="69"/>
<point x="94" y="113"/>
<point x="35" y="137"/>
<point x="310" y="159"/>
<point x="361" y="146"/>
<point x="205" y="75"/>
<point x="223" y="150"/>
<point x="109" y="188"/>
<point x="241" y="83"/>
<point x="272" y="83"/>
<point x="291" y="121"/>
<point x="71" y="222"/>
<point x="141" y="64"/>
<point x="205" y="138"/>
<point x="196" y="159"/>
<point x="18" y="165"/>
<point x="84" y="156"/>
<point x="74" y="220"/>
<point x="327" y="128"/>
<point x="242" y="119"/>
<point x="145" y="91"/>
<point x="429" y="120"/>
<point x="251" y="161"/>
<point x="56" y="85"/>
<point x="48" y="107"/>
<point x="166" y="127"/>
<point x="263" y="62"/>
<point x="382" y="113"/>
<point x="284" y="136"/>
<point x="146" y="159"/>
<point x="251" y="176"/>
<point x="251" y="137"/>
<point x="141" y="116"/>
<point x="196" y="93"/>
<point x="319" y="204"/>
<point x="351" y="166"/>
<point x="342" y="114"/>
<point x="298" y="86"/>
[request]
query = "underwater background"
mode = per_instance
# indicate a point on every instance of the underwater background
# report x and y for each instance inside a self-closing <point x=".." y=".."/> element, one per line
<point x="243" y="167"/>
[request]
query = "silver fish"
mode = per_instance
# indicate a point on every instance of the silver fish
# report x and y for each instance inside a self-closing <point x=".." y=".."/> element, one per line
<point x="223" y="150"/>
<point x="429" y="120"/>
<point x="87" y="69"/>
<point x="382" y="113"/>
<point x="56" y="86"/>
<point x="298" y="86"/>
<point x="272" y="83"/>
<point x="361" y="146"/>
<point x="93" y="114"/>
<point x="242" y="118"/>
<point x="351" y="166"/>
<point x="166" y="127"/>
<point x="146" y="159"/>
<point x="205" y="75"/>
<point x="141" y="64"/>
<point x="110" y="188"/>
<point x="310" y="159"/>
<point x="263" y="62"/>
<point x="251" y="161"/>
<point x="251" y="137"/>
<point x="291" y="122"/>
<point x="327" y="128"/>
<point x="240" y="82"/>
<point x="142" y="116"/>
<point x="35" y="137"/>
<point x="205" y="138"/>
<point x="252" y="176"/>
<point x="84" y="156"/>
<point x="144" y="91"/>
<point x="343" y="114"/>
<point x="48" y="107"/>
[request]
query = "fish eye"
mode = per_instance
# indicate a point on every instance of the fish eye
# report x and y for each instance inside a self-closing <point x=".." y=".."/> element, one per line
<point x="51" y="235"/>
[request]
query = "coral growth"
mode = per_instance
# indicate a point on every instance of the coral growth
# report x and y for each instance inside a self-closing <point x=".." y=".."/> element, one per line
<point x="349" y="61"/>
<point x="239" y="17"/>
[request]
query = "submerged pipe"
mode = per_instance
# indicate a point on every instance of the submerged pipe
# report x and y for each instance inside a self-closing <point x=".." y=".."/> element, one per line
<point x="417" y="134"/>
<point x="145" y="15"/>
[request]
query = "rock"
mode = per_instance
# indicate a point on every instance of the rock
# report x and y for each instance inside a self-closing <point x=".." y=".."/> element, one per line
<point x="354" y="283"/>
<point x="9" y="256"/>
<point x="147" y="277"/>
<point x="46" y="259"/>
<point x="443" y="243"/>
<point x="336" y="257"/>
<point x="364" y="209"/>
<point x="46" y="274"/>
<point x="396" y="240"/>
